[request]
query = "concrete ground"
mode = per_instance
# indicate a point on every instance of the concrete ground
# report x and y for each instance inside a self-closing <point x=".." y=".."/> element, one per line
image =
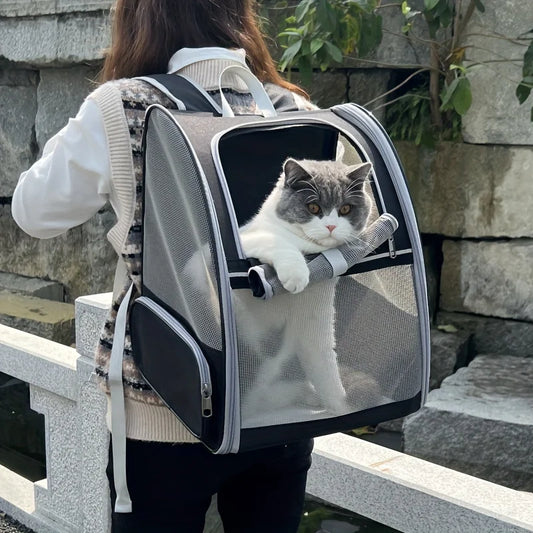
<point x="8" y="525"/>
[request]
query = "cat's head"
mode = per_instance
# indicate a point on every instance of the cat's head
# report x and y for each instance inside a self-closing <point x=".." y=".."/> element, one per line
<point x="325" y="200"/>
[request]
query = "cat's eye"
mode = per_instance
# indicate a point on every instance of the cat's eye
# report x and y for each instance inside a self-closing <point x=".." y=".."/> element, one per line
<point x="313" y="208"/>
<point x="345" y="209"/>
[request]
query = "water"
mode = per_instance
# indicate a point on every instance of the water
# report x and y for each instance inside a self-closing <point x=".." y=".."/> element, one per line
<point x="320" y="517"/>
<point x="22" y="439"/>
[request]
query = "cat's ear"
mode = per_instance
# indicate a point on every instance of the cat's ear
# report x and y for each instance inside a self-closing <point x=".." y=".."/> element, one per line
<point x="294" y="173"/>
<point x="359" y="173"/>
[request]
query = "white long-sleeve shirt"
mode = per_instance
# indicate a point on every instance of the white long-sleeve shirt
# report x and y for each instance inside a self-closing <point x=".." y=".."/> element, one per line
<point x="70" y="182"/>
<point x="72" y="179"/>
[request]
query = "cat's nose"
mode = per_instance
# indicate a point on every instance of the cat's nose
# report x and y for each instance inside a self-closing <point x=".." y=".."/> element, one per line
<point x="331" y="227"/>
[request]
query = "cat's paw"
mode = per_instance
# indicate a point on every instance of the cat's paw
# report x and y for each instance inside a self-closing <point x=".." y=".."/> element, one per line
<point x="293" y="277"/>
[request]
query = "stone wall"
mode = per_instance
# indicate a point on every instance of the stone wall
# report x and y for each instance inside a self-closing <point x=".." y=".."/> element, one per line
<point x="473" y="199"/>
<point x="50" y="55"/>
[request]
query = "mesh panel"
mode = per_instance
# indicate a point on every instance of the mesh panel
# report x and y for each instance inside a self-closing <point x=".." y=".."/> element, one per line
<point x="178" y="249"/>
<point x="339" y="347"/>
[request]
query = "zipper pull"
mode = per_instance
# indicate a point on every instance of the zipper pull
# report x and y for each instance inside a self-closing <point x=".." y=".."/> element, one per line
<point x="207" y="407"/>
<point x="392" y="248"/>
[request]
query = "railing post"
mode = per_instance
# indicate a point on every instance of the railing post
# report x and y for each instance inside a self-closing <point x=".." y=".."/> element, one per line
<point x="57" y="496"/>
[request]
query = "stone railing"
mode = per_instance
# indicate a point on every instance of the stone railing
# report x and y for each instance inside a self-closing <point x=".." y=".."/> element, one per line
<point x="395" y="489"/>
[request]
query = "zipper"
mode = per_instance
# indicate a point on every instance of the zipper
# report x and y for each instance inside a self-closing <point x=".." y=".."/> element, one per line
<point x="207" y="406"/>
<point x="379" y="137"/>
<point x="206" y="389"/>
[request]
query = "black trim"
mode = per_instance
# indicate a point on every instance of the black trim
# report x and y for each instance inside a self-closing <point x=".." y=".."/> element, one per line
<point x="188" y="93"/>
<point x="242" y="282"/>
<point x="263" y="437"/>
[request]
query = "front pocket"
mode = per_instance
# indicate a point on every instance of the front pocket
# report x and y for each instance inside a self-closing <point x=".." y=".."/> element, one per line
<point x="172" y="363"/>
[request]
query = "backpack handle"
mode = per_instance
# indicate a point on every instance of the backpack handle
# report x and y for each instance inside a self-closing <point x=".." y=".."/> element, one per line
<point x="255" y="87"/>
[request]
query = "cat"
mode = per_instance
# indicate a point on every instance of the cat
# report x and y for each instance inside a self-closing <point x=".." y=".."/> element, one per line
<point x="315" y="206"/>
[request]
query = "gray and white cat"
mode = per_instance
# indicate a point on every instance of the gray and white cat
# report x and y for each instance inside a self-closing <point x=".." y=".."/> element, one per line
<point x="315" y="206"/>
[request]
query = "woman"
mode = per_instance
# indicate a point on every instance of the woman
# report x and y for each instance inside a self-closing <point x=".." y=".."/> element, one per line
<point x="97" y="158"/>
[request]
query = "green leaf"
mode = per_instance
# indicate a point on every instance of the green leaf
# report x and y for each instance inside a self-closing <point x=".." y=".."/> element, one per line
<point x="290" y="33"/>
<point x="522" y="92"/>
<point x="306" y="70"/>
<point x="301" y="9"/>
<point x="446" y="17"/>
<point x="447" y="93"/>
<point x="316" y="45"/>
<point x="365" y="430"/>
<point x="371" y="34"/>
<point x="334" y="51"/>
<point x="289" y="54"/>
<point x="405" y="9"/>
<point x="462" y="96"/>
<point x="430" y="4"/>
<point x="458" y="67"/>
<point x="527" y="69"/>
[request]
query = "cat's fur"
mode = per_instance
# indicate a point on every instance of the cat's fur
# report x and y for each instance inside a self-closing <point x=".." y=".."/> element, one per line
<point x="300" y="325"/>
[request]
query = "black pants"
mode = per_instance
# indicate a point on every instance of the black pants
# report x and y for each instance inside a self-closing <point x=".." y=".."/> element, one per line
<point x="171" y="487"/>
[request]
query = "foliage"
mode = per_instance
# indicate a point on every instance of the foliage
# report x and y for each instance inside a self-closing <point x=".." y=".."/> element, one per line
<point x="321" y="32"/>
<point x="524" y="88"/>
<point x="407" y="119"/>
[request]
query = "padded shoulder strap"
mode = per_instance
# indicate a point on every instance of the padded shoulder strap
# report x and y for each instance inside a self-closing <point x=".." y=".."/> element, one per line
<point x="181" y="88"/>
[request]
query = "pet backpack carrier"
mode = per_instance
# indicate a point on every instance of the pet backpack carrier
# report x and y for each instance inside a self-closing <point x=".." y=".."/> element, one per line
<point x="206" y="174"/>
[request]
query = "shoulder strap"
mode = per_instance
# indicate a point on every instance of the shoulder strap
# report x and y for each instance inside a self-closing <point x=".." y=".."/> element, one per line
<point x="186" y="92"/>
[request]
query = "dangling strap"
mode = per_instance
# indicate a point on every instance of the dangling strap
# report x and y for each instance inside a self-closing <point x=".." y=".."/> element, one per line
<point x="118" y="412"/>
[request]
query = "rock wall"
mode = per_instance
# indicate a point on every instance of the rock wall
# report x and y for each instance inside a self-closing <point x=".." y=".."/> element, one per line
<point x="473" y="199"/>
<point x="50" y="55"/>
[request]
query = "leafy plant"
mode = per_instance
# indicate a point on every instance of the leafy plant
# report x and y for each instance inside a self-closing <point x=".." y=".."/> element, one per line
<point x="407" y="119"/>
<point x="322" y="32"/>
<point x="524" y="88"/>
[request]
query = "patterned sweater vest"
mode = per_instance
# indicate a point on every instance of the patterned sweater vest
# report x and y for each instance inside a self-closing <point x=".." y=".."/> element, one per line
<point x="137" y="96"/>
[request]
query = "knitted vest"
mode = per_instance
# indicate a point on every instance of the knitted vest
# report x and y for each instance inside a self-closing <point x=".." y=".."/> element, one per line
<point x="137" y="96"/>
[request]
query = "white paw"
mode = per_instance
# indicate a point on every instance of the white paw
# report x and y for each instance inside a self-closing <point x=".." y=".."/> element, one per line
<point x="293" y="277"/>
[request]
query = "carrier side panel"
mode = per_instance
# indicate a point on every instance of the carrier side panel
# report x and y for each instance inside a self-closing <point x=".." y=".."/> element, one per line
<point x="183" y="257"/>
<point x="179" y="251"/>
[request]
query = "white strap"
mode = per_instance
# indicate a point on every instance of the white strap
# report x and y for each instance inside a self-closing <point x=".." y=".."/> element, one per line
<point x="336" y="260"/>
<point x="264" y="104"/>
<point x="118" y="412"/>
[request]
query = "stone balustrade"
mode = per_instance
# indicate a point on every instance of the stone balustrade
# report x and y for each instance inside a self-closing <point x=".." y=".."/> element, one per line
<point x="395" y="489"/>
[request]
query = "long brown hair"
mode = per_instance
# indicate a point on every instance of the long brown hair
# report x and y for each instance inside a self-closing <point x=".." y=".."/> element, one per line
<point x="146" y="33"/>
